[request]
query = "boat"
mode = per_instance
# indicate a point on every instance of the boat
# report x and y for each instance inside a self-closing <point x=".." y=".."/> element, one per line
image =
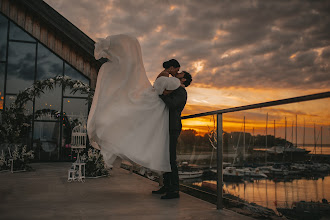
<point x="190" y="174"/>
<point x="230" y="174"/>
<point x="189" y="171"/>
<point x="252" y="172"/>
<point x="287" y="150"/>
<point x="275" y="170"/>
<point x="306" y="210"/>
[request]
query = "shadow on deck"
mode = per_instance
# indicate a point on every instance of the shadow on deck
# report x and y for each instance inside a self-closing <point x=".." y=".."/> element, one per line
<point x="46" y="194"/>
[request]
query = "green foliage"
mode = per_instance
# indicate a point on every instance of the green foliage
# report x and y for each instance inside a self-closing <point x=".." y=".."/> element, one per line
<point x="94" y="163"/>
<point x="16" y="124"/>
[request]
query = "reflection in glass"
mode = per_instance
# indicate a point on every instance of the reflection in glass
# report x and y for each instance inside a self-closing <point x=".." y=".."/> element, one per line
<point x="9" y="100"/>
<point x="75" y="110"/>
<point x="21" y="66"/>
<point x="2" y="84"/>
<point x="74" y="75"/>
<point x="45" y="138"/>
<point x="16" y="33"/>
<point x="50" y="99"/>
<point x="48" y="64"/>
<point x="28" y="106"/>
<point x="3" y="37"/>
<point x="75" y="113"/>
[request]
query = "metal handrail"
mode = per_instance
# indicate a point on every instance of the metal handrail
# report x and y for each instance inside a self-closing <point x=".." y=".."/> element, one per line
<point x="263" y="104"/>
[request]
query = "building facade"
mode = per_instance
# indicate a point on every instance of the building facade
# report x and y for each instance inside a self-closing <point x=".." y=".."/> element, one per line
<point x="37" y="43"/>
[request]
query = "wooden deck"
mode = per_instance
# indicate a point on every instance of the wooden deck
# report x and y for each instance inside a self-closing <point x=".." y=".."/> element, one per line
<point x="46" y="194"/>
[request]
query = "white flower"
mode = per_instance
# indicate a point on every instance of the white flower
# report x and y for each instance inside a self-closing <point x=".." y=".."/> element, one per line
<point x="26" y="125"/>
<point x="51" y="80"/>
<point x="75" y="85"/>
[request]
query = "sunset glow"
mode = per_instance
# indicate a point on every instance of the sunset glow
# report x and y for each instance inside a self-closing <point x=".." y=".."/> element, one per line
<point x="238" y="54"/>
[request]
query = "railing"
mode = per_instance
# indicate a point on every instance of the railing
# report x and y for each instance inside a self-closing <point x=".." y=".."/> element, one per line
<point x="219" y="123"/>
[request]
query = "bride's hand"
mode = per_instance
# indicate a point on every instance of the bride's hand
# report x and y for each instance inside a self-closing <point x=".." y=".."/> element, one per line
<point x="166" y="92"/>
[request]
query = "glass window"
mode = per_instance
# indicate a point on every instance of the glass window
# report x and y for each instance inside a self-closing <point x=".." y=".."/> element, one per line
<point x="28" y="106"/>
<point x="49" y="100"/>
<point x="74" y="75"/>
<point x="21" y="66"/>
<point x="75" y="111"/>
<point x="45" y="140"/>
<point x="2" y="84"/>
<point x="16" y="33"/>
<point x="9" y="100"/>
<point x="48" y="64"/>
<point x="3" y="37"/>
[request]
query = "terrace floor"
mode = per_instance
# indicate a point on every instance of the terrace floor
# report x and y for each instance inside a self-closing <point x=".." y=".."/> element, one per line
<point x="46" y="194"/>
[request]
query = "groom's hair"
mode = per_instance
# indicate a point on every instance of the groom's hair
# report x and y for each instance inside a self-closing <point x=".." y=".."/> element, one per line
<point x="188" y="78"/>
<point x="172" y="62"/>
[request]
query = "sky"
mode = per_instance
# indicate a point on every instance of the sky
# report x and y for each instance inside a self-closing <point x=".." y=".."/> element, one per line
<point x="238" y="52"/>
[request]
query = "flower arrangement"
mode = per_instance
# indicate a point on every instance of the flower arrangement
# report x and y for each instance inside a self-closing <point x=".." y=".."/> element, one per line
<point x="3" y="162"/>
<point x="95" y="165"/>
<point x="20" y="156"/>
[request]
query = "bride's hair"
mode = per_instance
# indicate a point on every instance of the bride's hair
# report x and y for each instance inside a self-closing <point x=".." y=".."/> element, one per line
<point x="172" y="62"/>
<point x="188" y="78"/>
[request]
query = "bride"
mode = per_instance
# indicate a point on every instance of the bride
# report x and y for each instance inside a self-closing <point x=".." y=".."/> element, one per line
<point x="127" y="118"/>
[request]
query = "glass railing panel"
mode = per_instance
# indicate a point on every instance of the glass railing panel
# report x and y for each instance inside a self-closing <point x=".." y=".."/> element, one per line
<point x="278" y="156"/>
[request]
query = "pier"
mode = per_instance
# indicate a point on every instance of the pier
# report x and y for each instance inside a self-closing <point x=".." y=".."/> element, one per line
<point x="46" y="194"/>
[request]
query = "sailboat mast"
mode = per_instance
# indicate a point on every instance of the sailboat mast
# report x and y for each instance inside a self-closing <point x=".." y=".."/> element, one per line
<point x="304" y="134"/>
<point x="314" y="140"/>
<point x="274" y="137"/>
<point x="253" y="136"/>
<point x="321" y="139"/>
<point x="296" y="131"/>
<point x="244" y="140"/>
<point x="285" y="130"/>
<point x="292" y="133"/>
<point x="266" y="138"/>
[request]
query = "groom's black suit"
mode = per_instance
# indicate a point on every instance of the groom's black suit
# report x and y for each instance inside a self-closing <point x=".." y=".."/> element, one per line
<point x="175" y="101"/>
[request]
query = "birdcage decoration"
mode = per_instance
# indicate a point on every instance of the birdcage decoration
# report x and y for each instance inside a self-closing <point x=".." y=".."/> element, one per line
<point x="78" y="144"/>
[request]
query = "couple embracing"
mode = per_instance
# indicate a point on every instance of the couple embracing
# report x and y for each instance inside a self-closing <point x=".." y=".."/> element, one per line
<point x="132" y="119"/>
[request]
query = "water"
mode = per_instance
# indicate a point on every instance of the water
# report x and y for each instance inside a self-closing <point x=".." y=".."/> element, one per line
<point x="270" y="193"/>
<point x="325" y="149"/>
<point x="317" y="150"/>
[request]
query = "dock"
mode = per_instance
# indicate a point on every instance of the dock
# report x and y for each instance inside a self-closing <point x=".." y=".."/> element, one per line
<point x="45" y="194"/>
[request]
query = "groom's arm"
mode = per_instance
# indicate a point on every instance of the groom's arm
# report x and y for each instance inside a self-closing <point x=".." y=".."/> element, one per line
<point x="175" y="101"/>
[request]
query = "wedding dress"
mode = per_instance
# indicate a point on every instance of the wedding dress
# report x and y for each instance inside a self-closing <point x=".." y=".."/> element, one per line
<point x="127" y="118"/>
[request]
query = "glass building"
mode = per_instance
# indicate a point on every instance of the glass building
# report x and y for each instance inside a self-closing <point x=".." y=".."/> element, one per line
<point x="25" y="59"/>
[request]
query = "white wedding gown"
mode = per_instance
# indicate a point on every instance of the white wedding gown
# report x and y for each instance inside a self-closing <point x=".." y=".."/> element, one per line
<point x="127" y="118"/>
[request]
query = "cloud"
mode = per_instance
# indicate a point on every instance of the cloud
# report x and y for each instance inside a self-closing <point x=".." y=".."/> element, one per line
<point x="248" y="44"/>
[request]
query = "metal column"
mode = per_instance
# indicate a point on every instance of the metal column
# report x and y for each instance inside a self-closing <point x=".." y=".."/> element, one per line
<point x="219" y="162"/>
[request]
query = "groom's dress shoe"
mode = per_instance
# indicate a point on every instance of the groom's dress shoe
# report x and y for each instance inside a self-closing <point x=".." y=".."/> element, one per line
<point x="171" y="195"/>
<point x="160" y="191"/>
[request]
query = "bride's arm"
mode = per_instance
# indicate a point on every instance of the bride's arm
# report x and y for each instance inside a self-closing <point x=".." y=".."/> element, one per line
<point x="173" y="102"/>
<point x="164" y="73"/>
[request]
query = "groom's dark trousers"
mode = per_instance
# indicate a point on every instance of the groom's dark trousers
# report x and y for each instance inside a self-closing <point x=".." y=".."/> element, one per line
<point x="175" y="102"/>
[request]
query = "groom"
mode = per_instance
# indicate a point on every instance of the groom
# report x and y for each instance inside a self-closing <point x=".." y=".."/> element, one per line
<point x="175" y="101"/>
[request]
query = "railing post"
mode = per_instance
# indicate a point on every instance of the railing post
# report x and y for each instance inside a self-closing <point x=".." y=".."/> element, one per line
<point x="219" y="162"/>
